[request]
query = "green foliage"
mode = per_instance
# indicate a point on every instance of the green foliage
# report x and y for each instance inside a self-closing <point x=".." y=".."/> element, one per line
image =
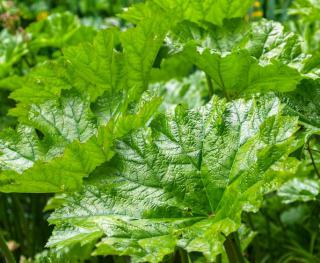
<point x="177" y="136"/>
<point x="190" y="91"/>
<point x="58" y="30"/>
<point x="24" y="46"/>
<point x="244" y="58"/>
<point x="183" y="183"/>
<point x="299" y="190"/>
<point x="307" y="93"/>
<point x="305" y="15"/>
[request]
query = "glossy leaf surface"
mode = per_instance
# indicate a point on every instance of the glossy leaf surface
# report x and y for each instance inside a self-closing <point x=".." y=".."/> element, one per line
<point x="184" y="182"/>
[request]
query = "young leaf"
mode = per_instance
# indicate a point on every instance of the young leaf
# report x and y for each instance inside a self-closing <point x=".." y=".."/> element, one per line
<point x="182" y="183"/>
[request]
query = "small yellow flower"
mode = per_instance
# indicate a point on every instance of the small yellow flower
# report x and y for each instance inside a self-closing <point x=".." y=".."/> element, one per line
<point x="257" y="14"/>
<point x="257" y="4"/>
<point x="42" y="15"/>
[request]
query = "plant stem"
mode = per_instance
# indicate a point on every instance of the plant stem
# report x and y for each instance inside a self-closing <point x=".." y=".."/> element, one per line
<point x="312" y="159"/>
<point x="184" y="257"/>
<point x="233" y="249"/>
<point x="312" y="242"/>
<point x="5" y="250"/>
<point x="210" y="86"/>
<point x="250" y="222"/>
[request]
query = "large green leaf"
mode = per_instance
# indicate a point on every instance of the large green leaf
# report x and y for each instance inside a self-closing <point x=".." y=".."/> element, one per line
<point x="109" y="77"/>
<point x="182" y="183"/>
<point x="58" y="30"/>
<point x="97" y="66"/>
<point x="140" y="48"/>
<point x="243" y="58"/>
<point x="213" y="11"/>
<point x="90" y="67"/>
<point x="72" y="143"/>
<point x="25" y="151"/>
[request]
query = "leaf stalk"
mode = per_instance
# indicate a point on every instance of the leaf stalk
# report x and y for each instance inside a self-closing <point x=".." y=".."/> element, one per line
<point x="233" y="249"/>
<point x="210" y="86"/>
<point x="312" y="160"/>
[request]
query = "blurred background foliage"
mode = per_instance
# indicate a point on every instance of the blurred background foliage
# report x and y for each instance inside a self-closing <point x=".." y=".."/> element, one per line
<point x="32" y="31"/>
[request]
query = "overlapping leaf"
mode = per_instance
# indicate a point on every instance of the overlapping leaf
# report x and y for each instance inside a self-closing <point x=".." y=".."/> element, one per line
<point x="141" y="46"/>
<point x="58" y="30"/>
<point x="90" y="68"/>
<point x="70" y="146"/>
<point x="74" y="141"/>
<point x="305" y="22"/>
<point x="305" y="102"/>
<point x="307" y="8"/>
<point x="213" y="11"/>
<point x="190" y="91"/>
<point x="182" y="183"/>
<point x="243" y="58"/>
<point x="25" y="151"/>
<point x="98" y="67"/>
<point x="73" y="147"/>
<point x="299" y="189"/>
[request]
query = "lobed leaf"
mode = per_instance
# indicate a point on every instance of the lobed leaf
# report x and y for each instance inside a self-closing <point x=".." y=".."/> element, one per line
<point x="58" y="30"/>
<point x="243" y="58"/>
<point x="70" y="146"/>
<point x="213" y="11"/>
<point x="182" y="183"/>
